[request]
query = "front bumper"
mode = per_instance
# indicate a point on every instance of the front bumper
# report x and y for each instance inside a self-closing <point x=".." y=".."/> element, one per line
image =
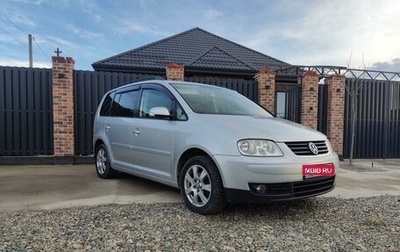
<point x="282" y="191"/>
<point x="281" y="176"/>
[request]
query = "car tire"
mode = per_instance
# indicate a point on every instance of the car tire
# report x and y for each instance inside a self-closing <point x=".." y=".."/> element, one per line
<point x="201" y="186"/>
<point x="102" y="162"/>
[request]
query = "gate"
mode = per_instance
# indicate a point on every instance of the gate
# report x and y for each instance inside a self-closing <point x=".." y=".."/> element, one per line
<point x="26" y="111"/>
<point x="288" y="97"/>
<point x="377" y="124"/>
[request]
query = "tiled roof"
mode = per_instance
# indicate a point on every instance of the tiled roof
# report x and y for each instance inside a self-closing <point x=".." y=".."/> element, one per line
<point x="195" y="48"/>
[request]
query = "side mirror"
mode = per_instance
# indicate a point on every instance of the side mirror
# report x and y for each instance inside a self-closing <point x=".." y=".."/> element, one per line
<point x="159" y="112"/>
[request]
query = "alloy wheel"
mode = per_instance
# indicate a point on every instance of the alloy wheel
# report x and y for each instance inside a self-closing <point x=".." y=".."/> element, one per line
<point x="197" y="185"/>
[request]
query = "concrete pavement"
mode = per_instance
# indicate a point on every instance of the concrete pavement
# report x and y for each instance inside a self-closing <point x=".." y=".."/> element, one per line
<point x="63" y="186"/>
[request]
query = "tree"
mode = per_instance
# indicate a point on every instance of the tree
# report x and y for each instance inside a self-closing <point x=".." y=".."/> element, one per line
<point x="353" y="90"/>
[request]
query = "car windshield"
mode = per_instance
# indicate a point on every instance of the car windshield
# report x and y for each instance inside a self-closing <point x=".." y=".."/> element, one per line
<point x="208" y="99"/>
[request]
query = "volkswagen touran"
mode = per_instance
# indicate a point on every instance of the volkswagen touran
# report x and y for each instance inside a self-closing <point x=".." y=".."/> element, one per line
<point x="214" y="144"/>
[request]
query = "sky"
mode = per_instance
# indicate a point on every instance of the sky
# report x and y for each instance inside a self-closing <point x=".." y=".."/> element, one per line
<point x="361" y="34"/>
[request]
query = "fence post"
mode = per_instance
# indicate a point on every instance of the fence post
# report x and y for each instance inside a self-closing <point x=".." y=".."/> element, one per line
<point x="266" y="88"/>
<point x="63" y="109"/>
<point x="175" y="72"/>
<point x="336" y="91"/>
<point x="309" y="100"/>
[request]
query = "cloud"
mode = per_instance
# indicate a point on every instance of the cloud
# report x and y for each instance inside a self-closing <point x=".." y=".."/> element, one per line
<point x="84" y="33"/>
<point x="392" y="66"/>
<point x="327" y="34"/>
<point x="127" y="27"/>
<point x="62" y="43"/>
<point x="11" y="40"/>
<point x="16" y="20"/>
<point x="24" y="63"/>
<point x="212" y="13"/>
<point x="36" y="2"/>
<point x="90" y="7"/>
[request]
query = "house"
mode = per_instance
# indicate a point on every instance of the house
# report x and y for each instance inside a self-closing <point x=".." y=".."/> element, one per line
<point x="200" y="52"/>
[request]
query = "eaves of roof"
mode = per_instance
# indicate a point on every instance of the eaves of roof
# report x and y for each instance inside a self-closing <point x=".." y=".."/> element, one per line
<point x="194" y="48"/>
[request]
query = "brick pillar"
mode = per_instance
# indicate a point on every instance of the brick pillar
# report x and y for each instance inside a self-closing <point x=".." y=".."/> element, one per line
<point x="266" y="89"/>
<point x="336" y="91"/>
<point x="63" y="106"/>
<point x="309" y="99"/>
<point x="175" y="72"/>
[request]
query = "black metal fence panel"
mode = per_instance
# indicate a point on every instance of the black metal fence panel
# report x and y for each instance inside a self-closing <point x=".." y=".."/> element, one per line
<point x="247" y="88"/>
<point x="322" y="124"/>
<point x="26" y="111"/>
<point x="288" y="86"/>
<point x="377" y="123"/>
<point x="294" y="104"/>
<point x="89" y="88"/>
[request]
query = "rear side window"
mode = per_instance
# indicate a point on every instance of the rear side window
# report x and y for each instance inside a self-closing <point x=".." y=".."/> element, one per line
<point x="105" y="108"/>
<point x="122" y="104"/>
<point x="126" y="104"/>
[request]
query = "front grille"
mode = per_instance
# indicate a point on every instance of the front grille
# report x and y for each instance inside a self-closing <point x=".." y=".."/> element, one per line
<point x="296" y="190"/>
<point x="302" y="148"/>
<point x="313" y="186"/>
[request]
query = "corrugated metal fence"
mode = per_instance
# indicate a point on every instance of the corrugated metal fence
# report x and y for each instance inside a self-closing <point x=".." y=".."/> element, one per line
<point x="26" y="116"/>
<point x="26" y="111"/>
<point x="377" y="127"/>
<point x="89" y="88"/>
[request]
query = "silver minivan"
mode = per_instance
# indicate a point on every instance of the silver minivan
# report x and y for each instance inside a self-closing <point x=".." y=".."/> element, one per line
<point x="212" y="143"/>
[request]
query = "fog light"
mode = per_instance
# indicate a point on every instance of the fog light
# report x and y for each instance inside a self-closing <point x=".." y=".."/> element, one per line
<point x="261" y="189"/>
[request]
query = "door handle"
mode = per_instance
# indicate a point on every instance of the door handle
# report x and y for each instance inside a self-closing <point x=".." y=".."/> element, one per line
<point x="136" y="132"/>
<point x="108" y="128"/>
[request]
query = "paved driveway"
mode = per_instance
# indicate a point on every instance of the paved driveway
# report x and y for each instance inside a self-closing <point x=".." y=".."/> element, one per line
<point x="62" y="186"/>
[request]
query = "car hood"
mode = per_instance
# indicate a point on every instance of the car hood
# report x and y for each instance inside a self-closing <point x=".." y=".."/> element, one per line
<point x="276" y="129"/>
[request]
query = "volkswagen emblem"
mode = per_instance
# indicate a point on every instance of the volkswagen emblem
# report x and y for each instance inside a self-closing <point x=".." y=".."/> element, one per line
<point x="313" y="148"/>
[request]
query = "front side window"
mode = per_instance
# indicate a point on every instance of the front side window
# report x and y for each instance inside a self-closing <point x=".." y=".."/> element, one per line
<point x="152" y="98"/>
<point x="157" y="97"/>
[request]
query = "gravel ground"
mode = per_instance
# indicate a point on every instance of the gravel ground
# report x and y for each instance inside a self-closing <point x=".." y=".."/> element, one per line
<point x="318" y="224"/>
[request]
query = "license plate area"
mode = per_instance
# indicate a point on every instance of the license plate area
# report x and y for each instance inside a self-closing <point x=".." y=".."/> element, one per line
<point x="318" y="170"/>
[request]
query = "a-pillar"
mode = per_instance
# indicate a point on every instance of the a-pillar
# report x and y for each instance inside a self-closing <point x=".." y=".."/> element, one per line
<point x="336" y="92"/>
<point x="266" y="89"/>
<point x="309" y="99"/>
<point x="63" y="109"/>
<point x="175" y="72"/>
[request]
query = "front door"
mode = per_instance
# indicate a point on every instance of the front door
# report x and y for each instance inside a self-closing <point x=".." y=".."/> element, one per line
<point x="153" y="138"/>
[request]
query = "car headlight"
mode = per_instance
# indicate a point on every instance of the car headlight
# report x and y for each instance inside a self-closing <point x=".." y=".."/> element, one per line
<point x="259" y="147"/>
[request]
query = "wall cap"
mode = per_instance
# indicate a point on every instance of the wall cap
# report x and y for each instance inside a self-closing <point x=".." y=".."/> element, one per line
<point x="174" y="65"/>
<point x="60" y="59"/>
<point x="311" y="73"/>
<point x="266" y="70"/>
